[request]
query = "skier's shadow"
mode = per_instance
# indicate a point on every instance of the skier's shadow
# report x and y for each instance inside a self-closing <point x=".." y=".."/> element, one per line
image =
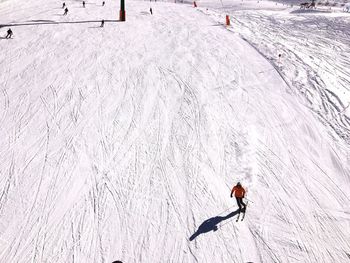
<point x="211" y="224"/>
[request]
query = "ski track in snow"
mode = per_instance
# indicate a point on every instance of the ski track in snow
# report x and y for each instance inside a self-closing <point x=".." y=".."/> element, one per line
<point x="300" y="66"/>
<point x="314" y="58"/>
<point x="121" y="142"/>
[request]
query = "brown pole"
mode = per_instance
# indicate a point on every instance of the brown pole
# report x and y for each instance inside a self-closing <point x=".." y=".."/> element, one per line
<point x="122" y="10"/>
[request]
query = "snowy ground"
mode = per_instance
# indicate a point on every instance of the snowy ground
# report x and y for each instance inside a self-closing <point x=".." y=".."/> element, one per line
<point x="123" y="142"/>
<point x="315" y="54"/>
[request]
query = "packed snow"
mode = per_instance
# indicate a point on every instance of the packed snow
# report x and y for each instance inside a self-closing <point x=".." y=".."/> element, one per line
<point x="311" y="52"/>
<point x="123" y="142"/>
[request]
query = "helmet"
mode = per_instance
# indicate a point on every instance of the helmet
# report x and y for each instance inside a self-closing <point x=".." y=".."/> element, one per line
<point x="239" y="184"/>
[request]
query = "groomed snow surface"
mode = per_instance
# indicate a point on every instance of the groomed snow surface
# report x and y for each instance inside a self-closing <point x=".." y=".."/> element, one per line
<point x="123" y="142"/>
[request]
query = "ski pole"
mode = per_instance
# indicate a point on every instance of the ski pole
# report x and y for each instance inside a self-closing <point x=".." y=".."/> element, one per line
<point x="225" y="210"/>
<point x="248" y="200"/>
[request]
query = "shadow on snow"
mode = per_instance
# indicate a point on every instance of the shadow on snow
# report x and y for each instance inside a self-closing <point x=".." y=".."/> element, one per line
<point x="212" y="224"/>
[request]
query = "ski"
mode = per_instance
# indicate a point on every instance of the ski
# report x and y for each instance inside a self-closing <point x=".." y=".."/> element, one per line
<point x="238" y="217"/>
<point x="245" y="210"/>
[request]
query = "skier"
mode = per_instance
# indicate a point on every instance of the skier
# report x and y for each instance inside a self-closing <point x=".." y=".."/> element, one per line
<point x="150" y="10"/>
<point x="102" y="22"/>
<point x="9" y="33"/>
<point x="239" y="194"/>
<point x="84" y="4"/>
<point x="63" y="5"/>
<point x="103" y="3"/>
<point x="65" y="11"/>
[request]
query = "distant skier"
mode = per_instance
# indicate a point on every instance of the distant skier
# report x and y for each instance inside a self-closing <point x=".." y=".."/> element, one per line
<point x="9" y="33"/>
<point x="63" y="5"/>
<point x="65" y="11"/>
<point x="151" y="11"/>
<point x="84" y="4"/>
<point x="103" y="3"/>
<point x="102" y="23"/>
<point x="239" y="194"/>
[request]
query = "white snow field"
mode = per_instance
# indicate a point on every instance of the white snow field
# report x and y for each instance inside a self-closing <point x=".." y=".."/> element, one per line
<point x="315" y="53"/>
<point x="123" y="142"/>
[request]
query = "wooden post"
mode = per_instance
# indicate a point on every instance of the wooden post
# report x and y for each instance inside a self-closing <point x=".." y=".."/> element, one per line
<point x="122" y="10"/>
<point x="227" y="20"/>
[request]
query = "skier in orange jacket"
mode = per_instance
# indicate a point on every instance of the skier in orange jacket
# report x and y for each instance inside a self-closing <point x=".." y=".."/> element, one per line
<point x="239" y="194"/>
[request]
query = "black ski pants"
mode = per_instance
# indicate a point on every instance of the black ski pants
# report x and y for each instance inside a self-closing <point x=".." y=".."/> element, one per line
<point x="240" y="203"/>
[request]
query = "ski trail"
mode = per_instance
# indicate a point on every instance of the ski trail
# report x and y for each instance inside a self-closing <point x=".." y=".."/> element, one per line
<point x="119" y="143"/>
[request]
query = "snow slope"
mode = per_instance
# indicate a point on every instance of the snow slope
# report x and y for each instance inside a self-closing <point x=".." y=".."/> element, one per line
<point x="122" y="143"/>
<point x="315" y="56"/>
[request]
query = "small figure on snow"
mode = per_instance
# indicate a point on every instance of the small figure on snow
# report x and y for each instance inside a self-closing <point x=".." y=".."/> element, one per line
<point x="103" y="3"/>
<point x="239" y="194"/>
<point x="84" y="4"/>
<point x="102" y="23"/>
<point x="9" y="33"/>
<point x="151" y="11"/>
<point x="65" y="11"/>
<point x="63" y="5"/>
